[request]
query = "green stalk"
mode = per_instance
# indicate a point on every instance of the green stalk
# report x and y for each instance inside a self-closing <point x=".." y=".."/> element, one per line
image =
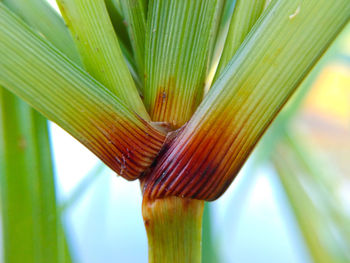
<point x="174" y="229"/>
<point x="99" y="49"/>
<point x="118" y="23"/>
<point x="216" y="28"/>
<point x="245" y="14"/>
<point x="124" y="41"/>
<point x="246" y="98"/>
<point x="41" y="16"/>
<point x="31" y="230"/>
<point x="135" y="16"/>
<point x="220" y="30"/>
<point x="42" y="76"/>
<point x="34" y="12"/>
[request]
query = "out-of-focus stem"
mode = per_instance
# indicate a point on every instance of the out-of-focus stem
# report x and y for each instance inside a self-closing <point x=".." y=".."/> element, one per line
<point x="174" y="229"/>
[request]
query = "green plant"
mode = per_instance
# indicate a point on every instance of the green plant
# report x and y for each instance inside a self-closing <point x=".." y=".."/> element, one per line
<point x="185" y="145"/>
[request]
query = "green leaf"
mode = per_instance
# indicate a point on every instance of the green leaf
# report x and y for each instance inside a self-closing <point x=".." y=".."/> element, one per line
<point x="278" y="53"/>
<point x="245" y="14"/>
<point x="100" y="51"/>
<point x="41" y="16"/>
<point x="177" y="50"/>
<point x="29" y="217"/>
<point x="52" y="84"/>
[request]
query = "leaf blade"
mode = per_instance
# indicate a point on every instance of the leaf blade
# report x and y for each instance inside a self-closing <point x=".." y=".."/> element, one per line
<point x="41" y="16"/>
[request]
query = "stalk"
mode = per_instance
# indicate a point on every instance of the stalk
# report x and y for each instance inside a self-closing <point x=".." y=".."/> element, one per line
<point x="178" y="41"/>
<point x="174" y="229"/>
<point x="98" y="45"/>
<point x="245" y="14"/>
<point x="135" y="16"/>
<point x="118" y="24"/>
<point x="30" y="223"/>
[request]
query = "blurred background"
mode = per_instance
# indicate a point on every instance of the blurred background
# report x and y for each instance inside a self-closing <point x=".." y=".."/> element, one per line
<point x="290" y="202"/>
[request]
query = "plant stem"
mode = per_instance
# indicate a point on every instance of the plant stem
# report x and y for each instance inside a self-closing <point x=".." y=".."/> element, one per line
<point x="245" y="14"/>
<point x="30" y="224"/>
<point x="174" y="229"/>
<point x="135" y="16"/>
<point x="99" y="48"/>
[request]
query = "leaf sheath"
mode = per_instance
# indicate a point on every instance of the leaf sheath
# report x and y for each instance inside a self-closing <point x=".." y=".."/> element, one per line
<point x="38" y="73"/>
<point x="177" y="49"/>
<point x="204" y="159"/>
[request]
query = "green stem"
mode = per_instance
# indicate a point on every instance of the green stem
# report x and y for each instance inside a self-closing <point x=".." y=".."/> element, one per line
<point x="246" y="13"/>
<point x="124" y="41"/>
<point x="98" y="45"/>
<point x="135" y="16"/>
<point x="295" y="180"/>
<point x="118" y="24"/>
<point x="174" y="229"/>
<point x="28" y="207"/>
